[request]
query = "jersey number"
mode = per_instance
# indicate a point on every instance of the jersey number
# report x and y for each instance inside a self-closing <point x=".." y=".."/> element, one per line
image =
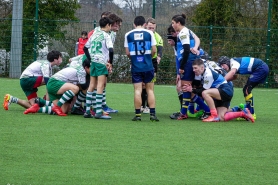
<point x="140" y="46"/>
<point x="96" y="47"/>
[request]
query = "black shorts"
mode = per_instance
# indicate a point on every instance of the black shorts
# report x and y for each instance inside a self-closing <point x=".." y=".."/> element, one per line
<point x="225" y="99"/>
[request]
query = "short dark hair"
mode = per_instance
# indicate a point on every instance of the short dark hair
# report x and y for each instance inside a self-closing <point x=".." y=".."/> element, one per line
<point x="139" y="21"/>
<point x="84" y="33"/>
<point x="86" y="63"/>
<point x="52" y="55"/>
<point x="179" y="18"/>
<point x="170" y="29"/>
<point x="198" y="62"/>
<point x="104" y="21"/>
<point x="105" y="14"/>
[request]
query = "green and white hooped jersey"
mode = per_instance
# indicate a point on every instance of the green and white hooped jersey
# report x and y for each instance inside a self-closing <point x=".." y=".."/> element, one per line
<point x="75" y="75"/>
<point x="98" y="45"/>
<point x="38" y="68"/>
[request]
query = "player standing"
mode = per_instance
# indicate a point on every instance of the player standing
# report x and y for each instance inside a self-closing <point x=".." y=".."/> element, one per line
<point x="140" y="46"/>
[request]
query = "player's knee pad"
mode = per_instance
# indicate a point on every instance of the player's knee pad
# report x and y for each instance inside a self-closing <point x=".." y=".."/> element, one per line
<point x="247" y="89"/>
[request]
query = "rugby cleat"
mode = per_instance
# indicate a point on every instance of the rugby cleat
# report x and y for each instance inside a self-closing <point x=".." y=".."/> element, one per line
<point x="58" y="110"/>
<point x="153" y="118"/>
<point x="136" y="118"/>
<point x="7" y="101"/>
<point x="33" y="109"/>
<point x="247" y="115"/>
<point x="182" y="116"/>
<point x="101" y="116"/>
<point x="211" y="119"/>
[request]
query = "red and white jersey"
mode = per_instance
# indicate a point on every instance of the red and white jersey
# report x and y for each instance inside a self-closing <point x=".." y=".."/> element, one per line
<point x="38" y="68"/>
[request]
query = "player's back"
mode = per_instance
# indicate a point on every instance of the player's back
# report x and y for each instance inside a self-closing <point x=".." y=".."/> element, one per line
<point x="139" y="43"/>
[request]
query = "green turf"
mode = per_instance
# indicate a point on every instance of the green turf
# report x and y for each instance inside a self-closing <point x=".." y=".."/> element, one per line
<point x="48" y="149"/>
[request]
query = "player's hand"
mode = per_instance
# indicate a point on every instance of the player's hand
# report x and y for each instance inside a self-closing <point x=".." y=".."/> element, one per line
<point x="181" y="71"/>
<point x="109" y="67"/>
<point x="186" y="88"/>
<point x="178" y="79"/>
<point x="195" y="51"/>
<point x="158" y="59"/>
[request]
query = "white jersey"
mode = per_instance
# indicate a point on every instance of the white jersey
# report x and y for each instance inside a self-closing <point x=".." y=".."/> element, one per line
<point x="98" y="45"/>
<point x="76" y="61"/>
<point x="75" y="75"/>
<point x="38" y="68"/>
<point x="113" y="36"/>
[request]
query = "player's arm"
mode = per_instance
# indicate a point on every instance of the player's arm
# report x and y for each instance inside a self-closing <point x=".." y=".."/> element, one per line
<point x="126" y="47"/>
<point x="185" y="55"/>
<point x="153" y="50"/>
<point x="231" y="75"/>
<point x="86" y="51"/>
<point x="127" y="52"/>
<point x="195" y="49"/>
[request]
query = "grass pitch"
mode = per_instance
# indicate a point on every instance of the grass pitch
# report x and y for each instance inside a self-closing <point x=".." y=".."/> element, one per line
<point x="48" y="149"/>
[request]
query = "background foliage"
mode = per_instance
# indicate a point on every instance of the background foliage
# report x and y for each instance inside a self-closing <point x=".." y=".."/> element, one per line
<point x="230" y="27"/>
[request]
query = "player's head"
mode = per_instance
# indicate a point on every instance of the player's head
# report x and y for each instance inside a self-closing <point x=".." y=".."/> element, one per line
<point x="178" y="21"/>
<point x="52" y="55"/>
<point x="86" y="65"/>
<point x="150" y="24"/>
<point x="171" y="40"/>
<point x="105" y="14"/>
<point x="105" y="22"/>
<point x="198" y="66"/>
<point x="139" y="21"/>
<point x="224" y="62"/>
<point x="84" y="34"/>
<point x="116" y="22"/>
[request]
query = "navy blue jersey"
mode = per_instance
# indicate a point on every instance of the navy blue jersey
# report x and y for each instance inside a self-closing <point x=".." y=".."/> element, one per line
<point x="245" y="65"/>
<point x="140" y="42"/>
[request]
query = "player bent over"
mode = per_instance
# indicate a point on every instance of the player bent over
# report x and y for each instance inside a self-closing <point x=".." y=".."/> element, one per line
<point x="257" y="69"/>
<point x="217" y="93"/>
<point x="34" y="76"/>
<point x="62" y="87"/>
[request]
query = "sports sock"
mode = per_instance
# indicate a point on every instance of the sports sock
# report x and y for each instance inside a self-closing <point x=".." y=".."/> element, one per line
<point x="99" y="98"/>
<point x="80" y="98"/>
<point x="14" y="99"/>
<point x="232" y="115"/>
<point x="104" y="98"/>
<point x="65" y="97"/>
<point x="250" y="103"/>
<point x="186" y="99"/>
<point x="191" y="107"/>
<point x="201" y="103"/>
<point x="152" y="111"/>
<point x="213" y="112"/>
<point x="89" y="99"/>
<point x="94" y="103"/>
<point x="46" y="109"/>
<point x="180" y="96"/>
<point x="43" y="102"/>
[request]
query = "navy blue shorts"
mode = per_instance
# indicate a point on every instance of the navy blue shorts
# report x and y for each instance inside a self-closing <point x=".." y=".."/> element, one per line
<point x="226" y="92"/>
<point x="188" y="74"/>
<point x="260" y="74"/>
<point x="145" y="77"/>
